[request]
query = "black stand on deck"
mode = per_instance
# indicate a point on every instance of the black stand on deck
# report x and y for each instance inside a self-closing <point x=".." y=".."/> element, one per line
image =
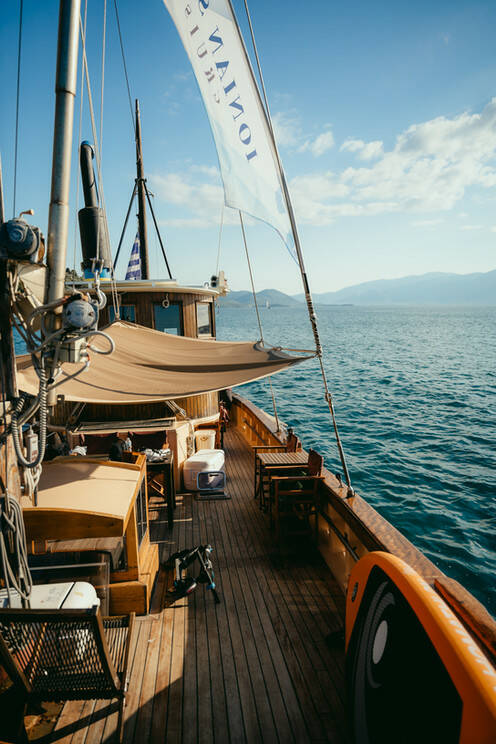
<point x="184" y="584"/>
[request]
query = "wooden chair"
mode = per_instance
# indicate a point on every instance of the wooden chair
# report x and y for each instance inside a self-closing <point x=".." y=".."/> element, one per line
<point x="296" y="498"/>
<point x="58" y="655"/>
<point x="292" y="444"/>
<point x="154" y="440"/>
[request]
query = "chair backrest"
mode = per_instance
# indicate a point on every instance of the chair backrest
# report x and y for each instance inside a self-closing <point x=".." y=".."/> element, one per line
<point x="57" y="654"/>
<point x="315" y="463"/>
<point x="293" y="444"/>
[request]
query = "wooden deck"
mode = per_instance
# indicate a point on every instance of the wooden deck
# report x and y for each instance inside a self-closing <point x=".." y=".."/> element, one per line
<point x="258" y="667"/>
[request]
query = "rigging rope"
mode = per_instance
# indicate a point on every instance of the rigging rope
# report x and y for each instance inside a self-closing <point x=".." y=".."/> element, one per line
<point x="220" y="239"/>
<point x="78" y="187"/>
<point x="14" y="567"/>
<point x="17" y="106"/>
<point x="113" y="286"/>
<point x="125" y="68"/>
<point x="103" y="73"/>
<point x="306" y="287"/>
<point x="258" y="315"/>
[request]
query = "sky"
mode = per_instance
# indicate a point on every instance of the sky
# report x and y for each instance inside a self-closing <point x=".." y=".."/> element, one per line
<point x="385" y="115"/>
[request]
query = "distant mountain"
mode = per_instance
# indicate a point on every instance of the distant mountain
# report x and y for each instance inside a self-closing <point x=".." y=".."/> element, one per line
<point x="245" y="299"/>
<point x="426" y="289"/>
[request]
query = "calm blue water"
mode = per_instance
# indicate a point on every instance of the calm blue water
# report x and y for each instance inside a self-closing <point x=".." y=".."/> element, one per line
<point x="414" y="390"/>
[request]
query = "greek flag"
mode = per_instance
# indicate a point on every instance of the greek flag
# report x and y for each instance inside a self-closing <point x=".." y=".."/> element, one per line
<point x="134" y="265"/>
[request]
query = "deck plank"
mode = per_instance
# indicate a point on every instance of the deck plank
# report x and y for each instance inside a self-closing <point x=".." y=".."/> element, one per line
<point x="272" y="662"/>
<point x="178" y="610"/>
<point x="261" y="553"/>
<point x="257" y="667"/>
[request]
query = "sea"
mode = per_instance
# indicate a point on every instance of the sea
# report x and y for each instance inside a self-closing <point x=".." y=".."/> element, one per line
<point x="414" y="391"/>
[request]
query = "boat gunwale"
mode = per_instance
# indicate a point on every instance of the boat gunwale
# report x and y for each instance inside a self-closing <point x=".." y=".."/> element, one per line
<point x="377" y="534"/>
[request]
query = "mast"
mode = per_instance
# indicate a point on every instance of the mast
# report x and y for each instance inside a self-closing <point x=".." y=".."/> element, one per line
<point x="141" y="190"/>
<point x="65" y="93"/>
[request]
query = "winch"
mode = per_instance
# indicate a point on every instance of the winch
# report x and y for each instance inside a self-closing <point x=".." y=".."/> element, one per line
<point x="19" y="241"/>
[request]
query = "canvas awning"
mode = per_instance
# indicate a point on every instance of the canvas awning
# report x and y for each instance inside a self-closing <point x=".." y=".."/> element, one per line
<point x="149" y="365"/>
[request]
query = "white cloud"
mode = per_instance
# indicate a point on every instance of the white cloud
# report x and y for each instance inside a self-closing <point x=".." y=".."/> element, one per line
<point x="318" y="146"/>
<point x="365" y="150"/>
<point x="286" y="128"/>
<point x="429" y="169"/>
<point x="352" y="145"/>
<point x="202" y="200"/>
<point x="289" y="133"/>
<point x="471" y="227"/>
<point x="426" y="223"/>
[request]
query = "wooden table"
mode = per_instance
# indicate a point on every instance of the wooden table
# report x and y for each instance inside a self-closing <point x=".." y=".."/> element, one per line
<point x="267" y="463"/>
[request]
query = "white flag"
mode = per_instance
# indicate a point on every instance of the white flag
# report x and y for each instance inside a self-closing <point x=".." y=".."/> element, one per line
<point x="247" y="158"/>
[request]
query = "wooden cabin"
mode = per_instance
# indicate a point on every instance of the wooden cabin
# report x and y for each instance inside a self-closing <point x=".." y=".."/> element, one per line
<point x="167" y="306"/>
<point x="91" y="512"/>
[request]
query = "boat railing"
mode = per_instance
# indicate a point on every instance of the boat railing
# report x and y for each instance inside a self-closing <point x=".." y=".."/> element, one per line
<point x="349" y="528"/>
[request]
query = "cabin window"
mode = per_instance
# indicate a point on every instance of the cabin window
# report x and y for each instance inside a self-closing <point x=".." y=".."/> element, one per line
<point x="126" y="312"/>
<point x="204" y="319"/>
<point x="141" y="520"/>
<point x="168" y="319"/>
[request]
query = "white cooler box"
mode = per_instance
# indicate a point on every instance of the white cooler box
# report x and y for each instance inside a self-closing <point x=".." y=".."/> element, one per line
<point x="205" y="439"/>
<point x="204" y="461"/>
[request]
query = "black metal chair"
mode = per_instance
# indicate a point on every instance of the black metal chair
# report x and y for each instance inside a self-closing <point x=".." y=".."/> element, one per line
<point x="59" y="655"/>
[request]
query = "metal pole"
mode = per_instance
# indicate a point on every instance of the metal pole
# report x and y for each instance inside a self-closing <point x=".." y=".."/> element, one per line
<point x="158" y="231"/>
<point x="124" y="228"/>
<point x="141" y="199"/>
<point x="65" y="93"/>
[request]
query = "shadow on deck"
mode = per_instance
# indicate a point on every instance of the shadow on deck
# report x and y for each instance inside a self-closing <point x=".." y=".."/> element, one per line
<point x="255" y="668"/>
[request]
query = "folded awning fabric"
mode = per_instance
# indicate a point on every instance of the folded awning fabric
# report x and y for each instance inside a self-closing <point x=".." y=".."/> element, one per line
<point x="149" y="365"/>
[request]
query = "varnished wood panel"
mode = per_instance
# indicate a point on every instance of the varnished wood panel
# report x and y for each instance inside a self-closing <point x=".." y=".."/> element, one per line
<point x="128" y="596"/>
<point x="200" y="406"/>
<point x="144" y="301"/>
